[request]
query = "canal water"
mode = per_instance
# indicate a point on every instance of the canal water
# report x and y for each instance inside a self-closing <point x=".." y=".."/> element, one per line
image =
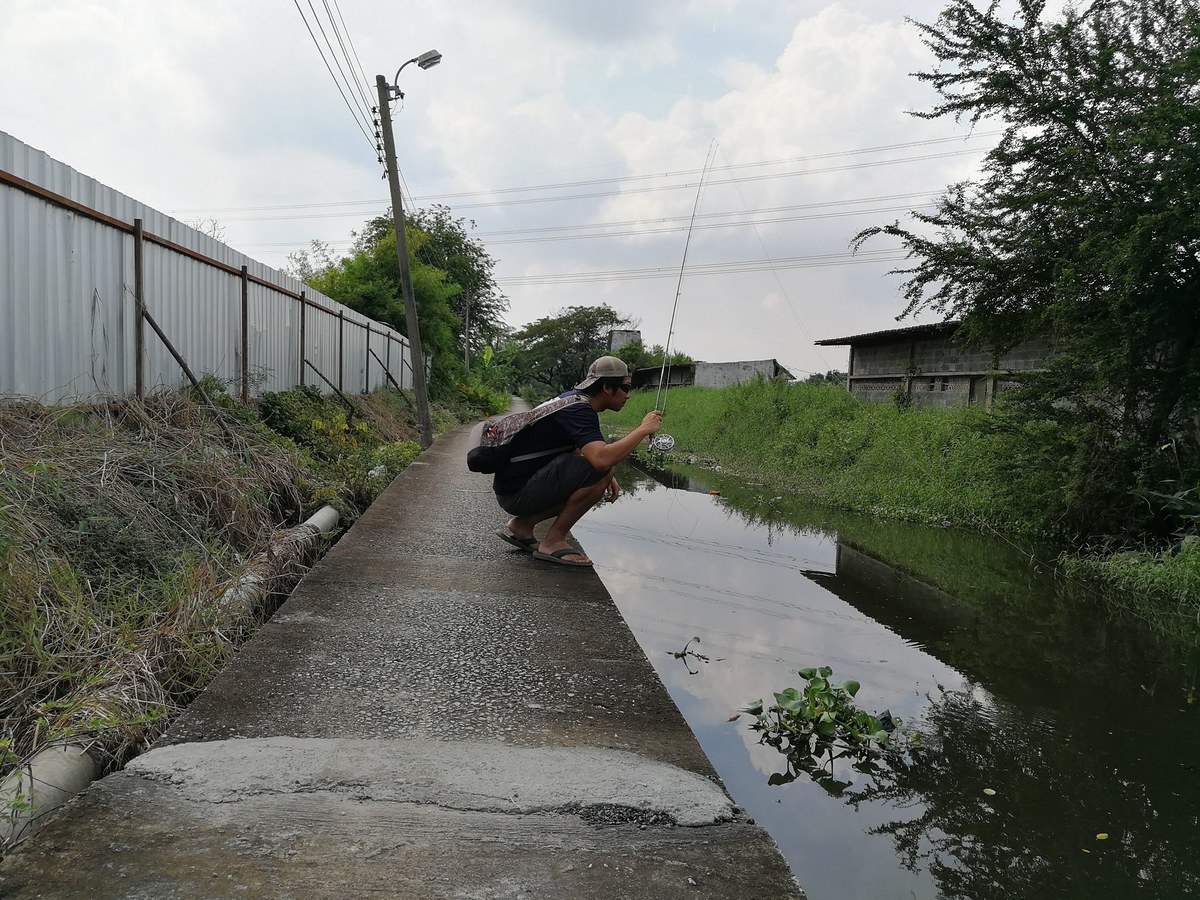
<point x="1062" y="738"/>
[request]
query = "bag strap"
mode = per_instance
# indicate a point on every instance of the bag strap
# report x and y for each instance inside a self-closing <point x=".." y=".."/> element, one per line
<point x="564" y="403"/>
<point x="540" y="453"/>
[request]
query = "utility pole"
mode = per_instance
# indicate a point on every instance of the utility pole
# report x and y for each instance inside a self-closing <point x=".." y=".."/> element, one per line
<point x="406" y="288"/>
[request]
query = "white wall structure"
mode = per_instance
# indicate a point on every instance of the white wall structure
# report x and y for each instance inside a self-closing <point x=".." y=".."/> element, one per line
<point x="718" y="375"/>
<point x="618" y="338"/>
<point x="69" y="316"/>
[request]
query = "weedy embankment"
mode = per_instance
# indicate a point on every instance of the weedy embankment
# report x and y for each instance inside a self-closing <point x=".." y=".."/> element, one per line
<point x="122" y="525"/>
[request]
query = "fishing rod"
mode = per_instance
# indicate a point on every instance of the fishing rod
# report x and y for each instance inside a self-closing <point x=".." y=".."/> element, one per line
<point x="664" y="442"/>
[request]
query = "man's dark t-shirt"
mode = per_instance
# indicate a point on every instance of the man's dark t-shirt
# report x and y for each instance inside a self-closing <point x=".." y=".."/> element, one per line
<point x="572" y="427"/>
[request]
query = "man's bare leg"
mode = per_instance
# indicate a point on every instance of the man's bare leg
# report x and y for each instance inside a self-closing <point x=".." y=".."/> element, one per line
<point x="522" y="526"/>
<point x="569" y="513"/>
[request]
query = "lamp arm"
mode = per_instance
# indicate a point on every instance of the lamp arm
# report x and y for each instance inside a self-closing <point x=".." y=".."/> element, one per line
<point x="396" y="80"/>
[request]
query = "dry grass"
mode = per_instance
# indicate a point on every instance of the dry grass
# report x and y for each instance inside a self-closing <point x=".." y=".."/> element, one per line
<point x="119" y="528"/>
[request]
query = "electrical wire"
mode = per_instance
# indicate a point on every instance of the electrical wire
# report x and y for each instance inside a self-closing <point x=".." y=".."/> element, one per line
<point x="778" y="281"/>
<point x="600" y="181"/>
<point x="710" y="225"/>
<point x="336" y="84"/>
<point x="364" y="83"/>
<point x="364" y="111"/>
<point x="727" y="268"/>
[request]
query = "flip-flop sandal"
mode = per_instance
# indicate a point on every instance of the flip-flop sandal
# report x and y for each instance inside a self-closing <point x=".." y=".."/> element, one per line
<point x="521" y="543"/>
<point x="557" y="557"/>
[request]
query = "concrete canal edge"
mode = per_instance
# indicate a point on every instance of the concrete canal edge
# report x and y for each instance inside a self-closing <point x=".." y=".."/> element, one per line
<point x="432" y="713"/>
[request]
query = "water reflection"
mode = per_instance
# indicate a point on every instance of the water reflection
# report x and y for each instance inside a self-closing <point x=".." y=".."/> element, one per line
<point x="1078" y="720"/>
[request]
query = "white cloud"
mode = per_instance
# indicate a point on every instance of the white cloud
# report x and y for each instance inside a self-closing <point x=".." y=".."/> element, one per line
<point x="227" y="106"/>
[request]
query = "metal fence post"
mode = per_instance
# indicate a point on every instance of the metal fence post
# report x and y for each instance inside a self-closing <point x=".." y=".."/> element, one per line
<point x="139" y="321"/>
<point x="303" y="304"/>
<point x="341" y="349"/>
<point x="245" y="334"/>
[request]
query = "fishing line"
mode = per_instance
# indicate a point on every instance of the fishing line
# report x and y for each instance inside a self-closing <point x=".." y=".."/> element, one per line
<point x="664" y="442"/>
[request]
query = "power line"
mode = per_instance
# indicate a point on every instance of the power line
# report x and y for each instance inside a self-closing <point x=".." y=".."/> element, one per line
<point x="778" y="281"/>
<point x="675" y="229"/>
<point x="591" y="196"/>
<point x="662" y="220"/>
<point x="599" y="181"/>
<point x="821" y="260"/>
<point x="363" y="110"/>
<point x="337" y="33"/>
<point x="366" y="80"/>
<point x="687" y="173"/>
<point x="676" y="187"/>
<point x="321" y="53"/>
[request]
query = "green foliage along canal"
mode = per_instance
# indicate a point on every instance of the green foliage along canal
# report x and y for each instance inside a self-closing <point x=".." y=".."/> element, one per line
<point x="1060" y="739"/>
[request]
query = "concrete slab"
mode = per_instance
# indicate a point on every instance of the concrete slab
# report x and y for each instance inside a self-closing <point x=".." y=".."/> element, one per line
<point x="432" y="713"/>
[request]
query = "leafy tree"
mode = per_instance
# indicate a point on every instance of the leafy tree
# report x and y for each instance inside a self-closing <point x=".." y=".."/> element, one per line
<point x="480" y="305"/>
<point x="555" y="351"/>
<point x="368" y="280"/>
<point x="831" y="376"/>
<point x="636" y="356"/>
<point x="1084" y="226"/>
<point x="304" y="265"/>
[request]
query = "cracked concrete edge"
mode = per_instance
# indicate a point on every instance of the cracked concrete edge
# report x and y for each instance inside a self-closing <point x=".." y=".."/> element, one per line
<point x="474" y="776"/>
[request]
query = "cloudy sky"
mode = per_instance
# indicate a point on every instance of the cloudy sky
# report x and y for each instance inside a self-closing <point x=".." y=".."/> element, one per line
<point x="574" y="134"/>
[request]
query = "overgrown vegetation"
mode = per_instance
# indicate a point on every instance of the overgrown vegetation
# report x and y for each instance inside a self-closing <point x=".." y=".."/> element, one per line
<point x="922" y="465"/>
<point x="459" y="305"/>
<point x="122" y="525"/>
<point x="1083" y="227"/>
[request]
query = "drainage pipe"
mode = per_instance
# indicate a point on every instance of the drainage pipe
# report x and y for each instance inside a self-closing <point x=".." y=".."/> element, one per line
<point x="285" y="552"/>
<point x="52" y="777"/>
<point x="57" y="773"/>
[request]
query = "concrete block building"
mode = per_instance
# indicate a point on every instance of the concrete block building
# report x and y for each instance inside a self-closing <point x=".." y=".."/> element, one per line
<point x="924" y="363"/>
<point x="712" y="375"/>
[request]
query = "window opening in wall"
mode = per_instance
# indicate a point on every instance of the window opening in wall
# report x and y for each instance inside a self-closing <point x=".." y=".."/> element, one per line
<point x="945" y="384"/>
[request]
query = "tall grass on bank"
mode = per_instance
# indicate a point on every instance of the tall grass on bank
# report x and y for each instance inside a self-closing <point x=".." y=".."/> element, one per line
<point x="926" y="465"/>
<point x="121" y="526"/>
<point x="1161" y="587"/>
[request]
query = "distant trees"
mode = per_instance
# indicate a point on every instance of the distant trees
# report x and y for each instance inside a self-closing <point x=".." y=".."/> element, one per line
<point x="554" y="352"/>
<point x="833" y="376"/>
<point x="1085" y="225"/>
<point x="638" y="356"/>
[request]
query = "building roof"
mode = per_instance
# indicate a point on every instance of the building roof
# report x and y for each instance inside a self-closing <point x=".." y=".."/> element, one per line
<point x="937" y="329"/>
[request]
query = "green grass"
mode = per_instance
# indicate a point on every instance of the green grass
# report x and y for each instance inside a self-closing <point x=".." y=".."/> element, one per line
<point x="1163" y="587"/>
<point x="923" y="465"/>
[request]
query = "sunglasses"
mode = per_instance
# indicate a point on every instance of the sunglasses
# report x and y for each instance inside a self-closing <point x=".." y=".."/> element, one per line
<point x="625" y="387"/>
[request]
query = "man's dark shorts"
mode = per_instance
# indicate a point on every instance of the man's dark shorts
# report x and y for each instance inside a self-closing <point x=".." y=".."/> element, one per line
<point x="551" y="485"/>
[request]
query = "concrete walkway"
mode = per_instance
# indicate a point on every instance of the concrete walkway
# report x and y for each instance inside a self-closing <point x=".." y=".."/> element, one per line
<point x="431" y="714"/>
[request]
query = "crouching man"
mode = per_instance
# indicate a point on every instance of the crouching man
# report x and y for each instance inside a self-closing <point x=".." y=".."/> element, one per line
<point x="540" y="484"/>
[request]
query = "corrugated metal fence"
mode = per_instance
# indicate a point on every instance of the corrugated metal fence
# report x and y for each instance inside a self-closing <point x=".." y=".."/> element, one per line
<point x="79" y="262"/>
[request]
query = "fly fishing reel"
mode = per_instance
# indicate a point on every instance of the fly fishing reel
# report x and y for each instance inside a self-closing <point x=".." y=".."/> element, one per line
<point x="662" y="443"/>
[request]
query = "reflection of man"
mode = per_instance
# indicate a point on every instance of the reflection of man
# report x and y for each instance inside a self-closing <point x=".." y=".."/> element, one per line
<point x="562" y="465"/>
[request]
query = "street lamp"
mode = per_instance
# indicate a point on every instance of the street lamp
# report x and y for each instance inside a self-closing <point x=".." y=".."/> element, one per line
<point x="386" y="91"/>
<point x="426" y="60"/>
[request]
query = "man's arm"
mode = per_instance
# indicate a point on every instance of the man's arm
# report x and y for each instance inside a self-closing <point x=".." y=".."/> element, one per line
<point x="605" y="456"/>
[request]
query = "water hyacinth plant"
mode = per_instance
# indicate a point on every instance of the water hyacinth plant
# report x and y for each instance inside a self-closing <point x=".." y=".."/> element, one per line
<point x="820" y="723"/>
